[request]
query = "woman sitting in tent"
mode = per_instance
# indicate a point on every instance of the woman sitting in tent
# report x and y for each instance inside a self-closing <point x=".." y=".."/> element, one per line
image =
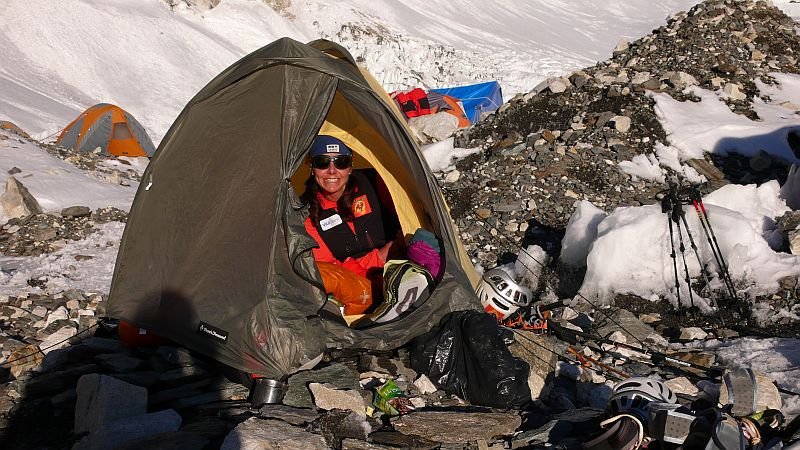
<point x="348" y="222"/>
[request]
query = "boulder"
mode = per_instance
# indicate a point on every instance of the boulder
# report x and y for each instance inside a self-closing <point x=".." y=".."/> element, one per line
<point x="457" y="427"/>
<point x="338" y="375"/>
<point x="540" y="354"/>
<point x="259" y="434"/>
<point x="327" y="397"/>
<point x="17" y="201"/>
<point x="103" y="399"/>
<point x="127" y="429"/>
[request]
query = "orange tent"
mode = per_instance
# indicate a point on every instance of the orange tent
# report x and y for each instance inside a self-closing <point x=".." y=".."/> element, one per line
<point x="109" y="128"/>
<point x="10" y="126"/>
<point x="454" y="108"/>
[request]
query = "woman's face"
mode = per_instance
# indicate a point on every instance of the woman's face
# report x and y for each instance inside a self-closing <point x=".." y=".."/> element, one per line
<point x="331" y="180"/>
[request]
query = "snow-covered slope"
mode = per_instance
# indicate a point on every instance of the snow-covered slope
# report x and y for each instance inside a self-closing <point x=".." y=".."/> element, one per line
<point x="151" y="56"/>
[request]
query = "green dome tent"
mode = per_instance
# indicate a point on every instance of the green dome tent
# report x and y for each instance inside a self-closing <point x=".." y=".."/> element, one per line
<point x="215" y="256"/>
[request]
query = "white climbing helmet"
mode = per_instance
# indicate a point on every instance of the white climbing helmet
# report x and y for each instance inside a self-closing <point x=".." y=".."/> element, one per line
<point x="500" y="295"/>
<point x="632" y="396"/>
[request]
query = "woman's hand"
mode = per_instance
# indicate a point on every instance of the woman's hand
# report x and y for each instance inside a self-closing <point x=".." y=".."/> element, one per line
<point x="394" y="247"/>
<point x="383" y="252"/>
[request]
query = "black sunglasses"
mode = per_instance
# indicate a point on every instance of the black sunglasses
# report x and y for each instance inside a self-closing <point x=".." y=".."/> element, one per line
<point x="324" y="161"/>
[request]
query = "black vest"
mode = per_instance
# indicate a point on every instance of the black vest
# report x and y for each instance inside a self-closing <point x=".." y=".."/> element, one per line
<point x="370" y="232"/>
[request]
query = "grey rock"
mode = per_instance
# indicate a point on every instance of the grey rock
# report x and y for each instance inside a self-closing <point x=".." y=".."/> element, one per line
<point x="76" y="211"/>
<point x="635" y="330"/>
<point x="794" y="242"/>
<point x="424" y="385"/>
<point x="603" y="118"/>
<point x="212" y="428"/>
<point x="184" y="390"/>
<point x="653" y="84"/>
<point x="570" y="424"/>
<point x="788" y="282"/>
<point x="393" y="439"/>
<point x="74" y="294"/>
<point x="177" y="355"/>
<point x="790" y="221"/>
<point x="58" y="339"/>
<point x="614" y="91"/>
<point x="288" y="414"/>
<point x="692" y="333"/>
<point x="622" y="123"/>
<point x="557" y="86"/>
<point x="50" y="383"/>
<point x="17" y="201"/>
<point x="338" y="375"/>
<point x="259" y="434"/>
<point x="622" y="46"/>
<point x="337" y="425"/>
<point x="355" y="444"/>
<point x="327" y="397"/>
<point x="64" y="399"/>
<point x="128" y="429"/>
<point x="734" y="91"/>
<point x="391" y="366"/>
<point x="119" y="363"/>
<point x="199" y="4"/>
<point x="682" y="80"/>
<point x="457" y="427"/>
<point x="508" y="207"/>
<point x="182" y="373"/>
<point x="140" y="378"/>
<point x="579" y="79"/>
<point x="539" y="352"/>
<point x="171" y="440"/>
<point x="229" y="392"/>
<point x="562" y="393"/>
<point x="103" y="399"/>
<point x="682" y="385"/>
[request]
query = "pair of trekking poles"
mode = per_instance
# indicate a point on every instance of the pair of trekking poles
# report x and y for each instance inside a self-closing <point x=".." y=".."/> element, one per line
<point x="672" y="206"/>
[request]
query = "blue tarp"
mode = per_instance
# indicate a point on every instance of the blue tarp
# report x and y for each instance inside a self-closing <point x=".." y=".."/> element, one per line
<point x="478" y="99"/>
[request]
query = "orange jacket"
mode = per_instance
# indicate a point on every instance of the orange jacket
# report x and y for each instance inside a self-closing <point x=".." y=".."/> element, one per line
<point x="360" y="266"/>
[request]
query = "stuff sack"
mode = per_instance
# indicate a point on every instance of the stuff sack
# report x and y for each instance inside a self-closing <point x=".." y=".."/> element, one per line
<point x="354" y="292"/>
<point x="466" y="356"/>
<point x="424" y="249"/>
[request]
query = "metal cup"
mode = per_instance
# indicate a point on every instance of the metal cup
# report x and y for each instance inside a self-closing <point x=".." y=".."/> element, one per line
<point x="266" y="391"/>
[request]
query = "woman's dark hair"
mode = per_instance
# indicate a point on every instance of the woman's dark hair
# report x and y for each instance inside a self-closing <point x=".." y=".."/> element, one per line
<point x="343" y="205"/>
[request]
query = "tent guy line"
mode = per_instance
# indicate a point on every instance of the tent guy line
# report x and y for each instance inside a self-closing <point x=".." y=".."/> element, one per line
<point x="42" y="350"/>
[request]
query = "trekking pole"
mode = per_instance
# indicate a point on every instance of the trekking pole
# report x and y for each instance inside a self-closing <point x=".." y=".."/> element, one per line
<point x="677" y="209"/>
<point x="653" y="355"/>
<point x="702" y="215"/>
<point x="666" y="207"/>
<point x="587" y="361"/>
<point x="557" y="355"/>
<point x="702" y="266"/>
<point x="656" y="357"/>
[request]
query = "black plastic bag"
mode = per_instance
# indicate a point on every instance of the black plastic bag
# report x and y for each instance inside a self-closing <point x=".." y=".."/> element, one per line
<point x="466" y="356"/>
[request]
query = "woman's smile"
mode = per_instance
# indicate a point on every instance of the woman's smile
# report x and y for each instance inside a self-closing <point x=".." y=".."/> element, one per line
<point x="332" y="181"/>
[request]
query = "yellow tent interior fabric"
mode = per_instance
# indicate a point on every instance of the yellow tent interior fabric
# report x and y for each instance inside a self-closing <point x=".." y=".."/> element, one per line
<point x="371" y="150"/>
